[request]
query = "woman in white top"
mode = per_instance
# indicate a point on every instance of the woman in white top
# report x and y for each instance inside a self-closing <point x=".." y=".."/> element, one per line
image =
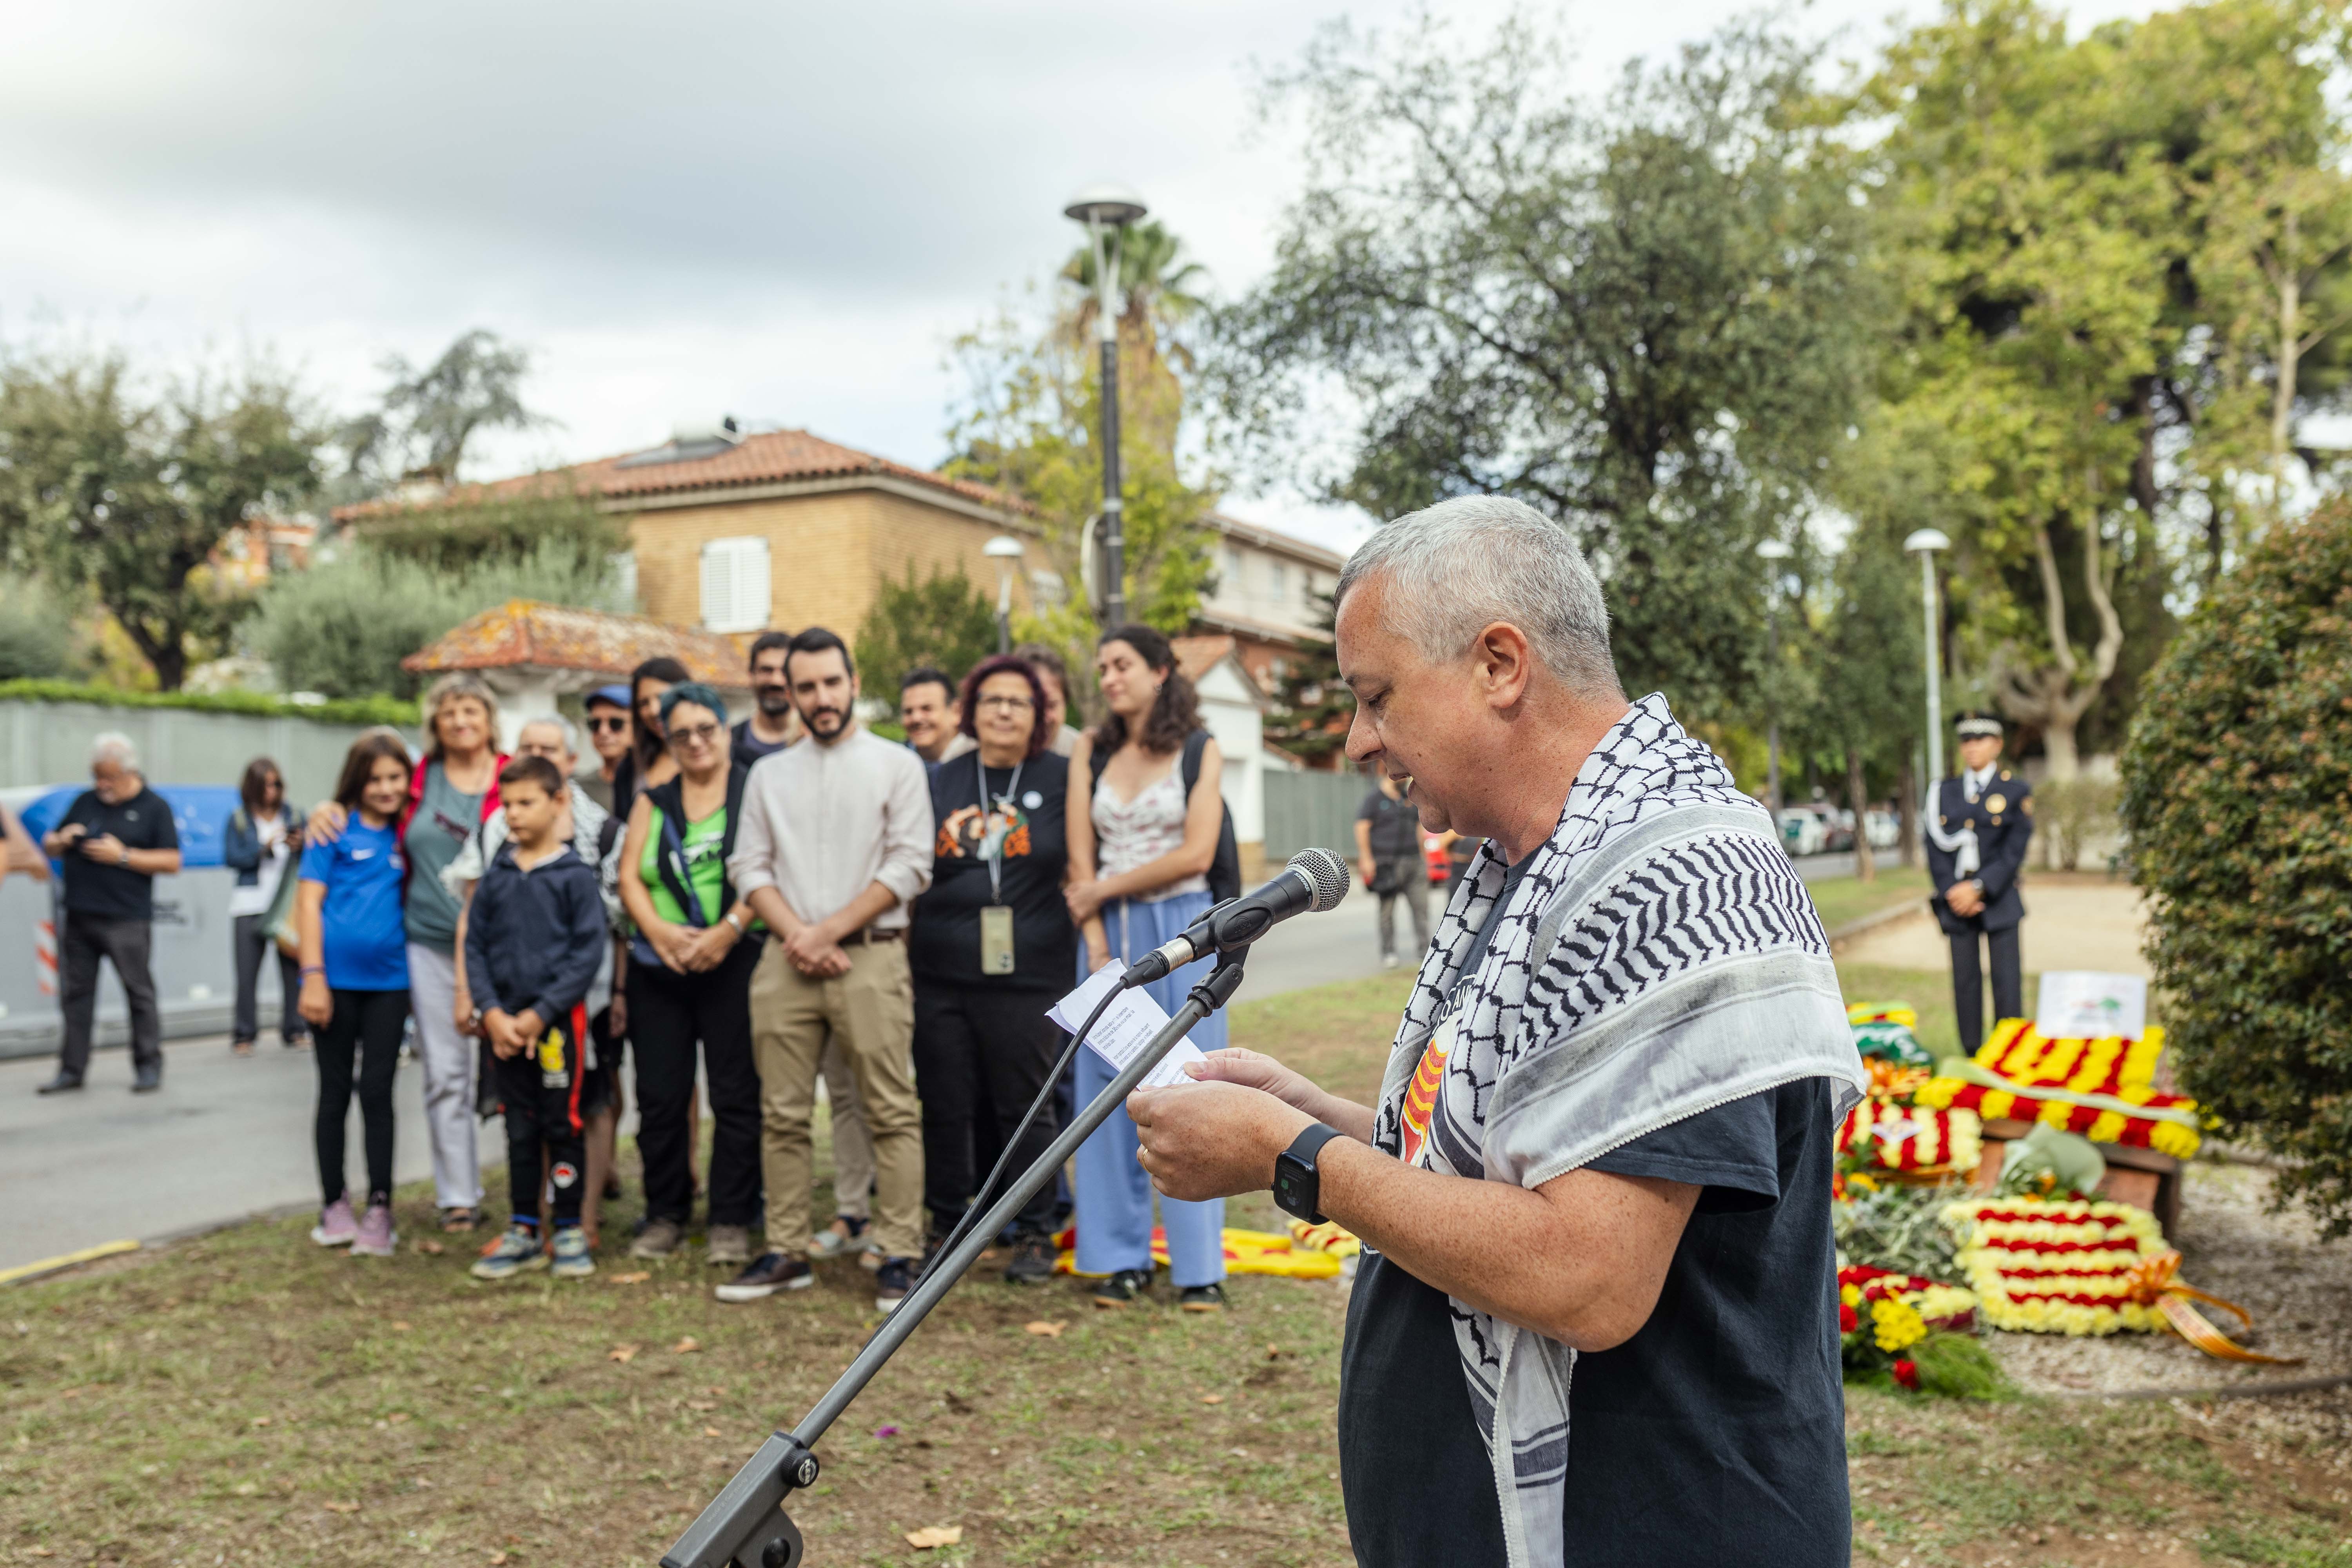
<point x="258" y="844"/>
<point x="1138" y="865"/>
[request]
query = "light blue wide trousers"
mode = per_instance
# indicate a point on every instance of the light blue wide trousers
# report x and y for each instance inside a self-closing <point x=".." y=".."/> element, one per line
<point x="1113" y="1195"/>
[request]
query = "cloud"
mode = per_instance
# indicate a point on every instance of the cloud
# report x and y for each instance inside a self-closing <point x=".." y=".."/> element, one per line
<point x="780" y="212"/>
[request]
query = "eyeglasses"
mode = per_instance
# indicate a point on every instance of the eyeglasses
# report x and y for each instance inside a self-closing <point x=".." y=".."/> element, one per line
<point x="612" y="725"/>
<point x="1007" y="704"/>
<point x="696" y="735"/>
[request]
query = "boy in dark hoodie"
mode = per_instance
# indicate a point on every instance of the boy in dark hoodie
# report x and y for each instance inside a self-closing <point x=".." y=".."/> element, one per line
<point x="533" y="938"/>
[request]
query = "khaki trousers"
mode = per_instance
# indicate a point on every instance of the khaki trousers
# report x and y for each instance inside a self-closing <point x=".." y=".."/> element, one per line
<point x="869" y="1015"/>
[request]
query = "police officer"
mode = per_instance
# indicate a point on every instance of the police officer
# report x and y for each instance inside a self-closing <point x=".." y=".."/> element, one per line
<point x="1977" y="826"/>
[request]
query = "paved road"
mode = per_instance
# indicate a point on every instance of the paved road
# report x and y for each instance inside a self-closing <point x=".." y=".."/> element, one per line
<point x="229" y="1136"/>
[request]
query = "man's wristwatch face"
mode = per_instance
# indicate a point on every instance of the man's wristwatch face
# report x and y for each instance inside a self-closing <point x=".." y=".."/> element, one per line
<point x="1297" y="1188"/>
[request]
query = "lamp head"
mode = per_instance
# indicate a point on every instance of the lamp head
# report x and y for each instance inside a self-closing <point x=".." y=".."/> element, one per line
<point x="1105" y="201"/>
<point x="1004" y="547"/>
<point x="1773" y="550"/>
<point x="1926" y="539"/>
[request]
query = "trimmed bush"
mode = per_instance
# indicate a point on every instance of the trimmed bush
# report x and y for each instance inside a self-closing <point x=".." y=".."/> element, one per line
<point x="363" y="710"/>
<point x="2237" y="802"/>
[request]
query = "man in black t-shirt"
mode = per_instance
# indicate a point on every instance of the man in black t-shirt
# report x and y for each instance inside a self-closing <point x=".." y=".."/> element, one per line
<point x="1388" y="857"/>
<point x="1596" y="1319"/>
<point x="115" y="839"/>
<point x="775" y="726"/>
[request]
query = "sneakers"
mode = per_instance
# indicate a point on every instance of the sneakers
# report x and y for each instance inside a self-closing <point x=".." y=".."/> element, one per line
<point x="1202" y="1299"/>
<point x="834" y="1240"/>
<point x="659" y="1239"/>
<point x="891" y="1283"/>
<point x="518" y="1250"/>
<point x="64" y="1083"/>
<point x="337" y="1226"/>
<point x="375" y="1237"/>
<point x="728" y="1243"/>
<point x="1033" y="1260"/>
<point x="1123" y="1287"/>
<point x="769" y="1273"/>
<point x="571" y="1260"/>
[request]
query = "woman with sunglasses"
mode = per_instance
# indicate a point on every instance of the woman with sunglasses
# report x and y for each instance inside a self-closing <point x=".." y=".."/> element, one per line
<point x="689" y="982"/>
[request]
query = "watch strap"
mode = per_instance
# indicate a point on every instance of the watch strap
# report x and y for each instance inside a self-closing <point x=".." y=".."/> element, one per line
<point x="1308" y="1144"/>
<point x="1298" y="1183"/>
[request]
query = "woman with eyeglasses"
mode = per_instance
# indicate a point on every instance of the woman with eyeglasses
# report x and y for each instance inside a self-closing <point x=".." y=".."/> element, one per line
<point x="689" y="982"/>
<point x="991" y="946"/>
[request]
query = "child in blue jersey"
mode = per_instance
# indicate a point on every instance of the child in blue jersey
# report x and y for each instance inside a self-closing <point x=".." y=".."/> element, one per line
<point x="350" y="912"/>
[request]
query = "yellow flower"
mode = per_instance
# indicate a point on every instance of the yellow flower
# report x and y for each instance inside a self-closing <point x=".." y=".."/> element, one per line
<point x="1850" y="1294"/>
<point x="1898" y="1325"/>
<point x="2173" y="1139"/>
<point x="1996" y="1104"/>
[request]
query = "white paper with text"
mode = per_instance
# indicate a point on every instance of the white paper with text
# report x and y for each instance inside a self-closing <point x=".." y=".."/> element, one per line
<point x="1126" y="1028"/>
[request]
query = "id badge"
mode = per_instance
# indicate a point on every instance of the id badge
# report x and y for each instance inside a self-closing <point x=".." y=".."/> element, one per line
<point x="996" y="939"/>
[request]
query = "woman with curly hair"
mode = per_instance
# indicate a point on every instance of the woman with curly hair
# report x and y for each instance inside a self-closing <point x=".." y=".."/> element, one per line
<point x="1140" y="857"/>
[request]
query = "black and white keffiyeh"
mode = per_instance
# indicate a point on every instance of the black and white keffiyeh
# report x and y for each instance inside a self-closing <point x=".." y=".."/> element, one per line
<point x="1659" y="958"/>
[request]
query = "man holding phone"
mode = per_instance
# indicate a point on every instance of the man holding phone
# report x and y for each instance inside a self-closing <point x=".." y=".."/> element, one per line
<point x="116" y="838"/>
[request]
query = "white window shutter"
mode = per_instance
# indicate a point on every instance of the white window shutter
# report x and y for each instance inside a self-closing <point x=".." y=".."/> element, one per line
<point x="735" y="586"/>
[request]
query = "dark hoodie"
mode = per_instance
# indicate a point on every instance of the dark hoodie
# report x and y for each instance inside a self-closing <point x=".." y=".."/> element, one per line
<point x="534" y="938"/>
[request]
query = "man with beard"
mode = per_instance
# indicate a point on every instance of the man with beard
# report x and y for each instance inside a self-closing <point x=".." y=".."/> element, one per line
<point x="835" y="844"/>
<point x="771" y="727"/>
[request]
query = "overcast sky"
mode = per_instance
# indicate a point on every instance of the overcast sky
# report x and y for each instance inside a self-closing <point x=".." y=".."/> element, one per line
<point x="778" y="212"/>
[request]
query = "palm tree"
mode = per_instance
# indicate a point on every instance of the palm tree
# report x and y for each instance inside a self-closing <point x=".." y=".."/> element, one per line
<point x="1158" y="286"/>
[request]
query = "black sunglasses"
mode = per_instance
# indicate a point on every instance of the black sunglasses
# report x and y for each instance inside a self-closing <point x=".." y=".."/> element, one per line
<point x="615" y="724"/>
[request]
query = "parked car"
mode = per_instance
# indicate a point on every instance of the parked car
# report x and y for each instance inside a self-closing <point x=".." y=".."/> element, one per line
<point x="1802" y="832"/>
<point x="1837" y="830"/>
<point x="1885" y="828"/>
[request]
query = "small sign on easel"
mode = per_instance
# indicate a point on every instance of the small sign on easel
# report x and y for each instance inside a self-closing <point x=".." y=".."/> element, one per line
<point x="2085" y="1004"/>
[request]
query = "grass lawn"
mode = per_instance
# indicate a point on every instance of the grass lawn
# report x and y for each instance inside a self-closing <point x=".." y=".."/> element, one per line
<point x="1843" y="898"/>
<point x="248" y="1398"/>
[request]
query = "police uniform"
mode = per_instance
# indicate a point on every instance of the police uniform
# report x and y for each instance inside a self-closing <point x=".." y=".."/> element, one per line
<point x="1978" y="826"/>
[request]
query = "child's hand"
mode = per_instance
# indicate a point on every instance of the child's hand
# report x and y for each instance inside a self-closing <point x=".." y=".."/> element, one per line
<point x="528" y="1028"/>
<point x="499" y="1024"/>
<point x="316" y="1003"/>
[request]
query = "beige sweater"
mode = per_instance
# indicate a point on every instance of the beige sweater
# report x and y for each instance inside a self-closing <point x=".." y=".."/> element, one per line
<point x="821" y="823"/>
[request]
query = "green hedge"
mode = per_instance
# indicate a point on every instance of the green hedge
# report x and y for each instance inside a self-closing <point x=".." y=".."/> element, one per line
<point x="2237" y="802"/>
<point x="340" y="710"/>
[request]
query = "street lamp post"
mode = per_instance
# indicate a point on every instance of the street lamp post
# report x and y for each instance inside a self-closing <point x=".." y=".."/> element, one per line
<point x="1005" y="551"/>
<point x="1925" y="542"/>
<point x="1772" y="552"/>
<point x="1106" y="209"/>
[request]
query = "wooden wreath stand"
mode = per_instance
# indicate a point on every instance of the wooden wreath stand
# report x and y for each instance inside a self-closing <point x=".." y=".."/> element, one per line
<point x="2140" y="1177"/>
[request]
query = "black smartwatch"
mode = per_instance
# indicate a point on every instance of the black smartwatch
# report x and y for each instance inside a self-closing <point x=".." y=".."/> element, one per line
<point x="1297" y="1187"/>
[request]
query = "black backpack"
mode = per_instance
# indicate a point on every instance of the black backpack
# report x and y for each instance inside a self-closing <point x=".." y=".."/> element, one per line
<point x="1226" y="871"/>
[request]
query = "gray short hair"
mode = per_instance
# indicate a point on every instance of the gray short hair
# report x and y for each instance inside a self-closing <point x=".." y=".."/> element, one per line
<point x="1458" y="567"/>
<point x="564" y="726"/>
<point x="114" y="746"/>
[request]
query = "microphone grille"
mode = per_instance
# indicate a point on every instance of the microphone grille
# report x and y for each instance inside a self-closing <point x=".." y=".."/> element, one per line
<point x="1324" y="872"/>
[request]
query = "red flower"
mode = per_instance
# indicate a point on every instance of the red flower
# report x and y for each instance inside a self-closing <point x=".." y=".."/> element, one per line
<point x="1907" y="1373"/>
<point x="1848" y="1319"/>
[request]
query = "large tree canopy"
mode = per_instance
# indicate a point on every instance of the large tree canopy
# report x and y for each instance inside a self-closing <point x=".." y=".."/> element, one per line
<point x="1648" y="316"/>
<point x="125" y="496"/>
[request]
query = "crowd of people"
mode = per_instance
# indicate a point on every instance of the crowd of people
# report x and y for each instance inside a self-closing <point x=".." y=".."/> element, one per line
<point x="730" y="915"/>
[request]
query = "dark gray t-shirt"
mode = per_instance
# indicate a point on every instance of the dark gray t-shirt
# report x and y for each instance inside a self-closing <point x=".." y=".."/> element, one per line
<point x="443" y="819"/>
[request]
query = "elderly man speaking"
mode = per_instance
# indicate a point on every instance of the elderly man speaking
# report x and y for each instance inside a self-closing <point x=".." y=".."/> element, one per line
<point x="1599" y="1325"/>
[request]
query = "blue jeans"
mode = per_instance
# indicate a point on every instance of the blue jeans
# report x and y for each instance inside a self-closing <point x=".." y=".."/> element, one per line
<point x="1114" y="1196"/>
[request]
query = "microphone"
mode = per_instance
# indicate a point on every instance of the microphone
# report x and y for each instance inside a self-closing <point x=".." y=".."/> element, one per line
<point x="1315" y="879"/>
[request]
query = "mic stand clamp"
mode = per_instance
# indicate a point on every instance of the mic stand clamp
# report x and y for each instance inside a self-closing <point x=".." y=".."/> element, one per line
<point x="745" y="1526"/>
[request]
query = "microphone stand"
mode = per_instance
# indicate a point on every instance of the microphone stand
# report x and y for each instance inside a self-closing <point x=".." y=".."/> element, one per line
<point x="745" y="1526"/>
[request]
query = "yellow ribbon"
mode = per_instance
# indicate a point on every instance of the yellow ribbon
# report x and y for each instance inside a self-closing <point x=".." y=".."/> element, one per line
<point x="2153" y="1282"/>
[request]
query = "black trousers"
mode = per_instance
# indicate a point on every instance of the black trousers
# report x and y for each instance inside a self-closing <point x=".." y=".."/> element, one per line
<point x="363" y="1033"/>
<point x="1968" y="982"/>
<point x="669" y="1014"/>
<point x="980" y="1056"/>
<point x="541" y="1092"/>
<point x="250" y="947"/>
<point x="127" y="945"/>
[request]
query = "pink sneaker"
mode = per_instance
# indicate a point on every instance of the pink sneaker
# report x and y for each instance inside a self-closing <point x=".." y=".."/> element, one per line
<point x="375" y="1237"/>
<point x="336" y="1227"/>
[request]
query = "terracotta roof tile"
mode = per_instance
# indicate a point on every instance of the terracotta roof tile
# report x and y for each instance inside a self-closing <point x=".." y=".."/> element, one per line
<point x="770" y="458"/>
<point x="558" y="637"/>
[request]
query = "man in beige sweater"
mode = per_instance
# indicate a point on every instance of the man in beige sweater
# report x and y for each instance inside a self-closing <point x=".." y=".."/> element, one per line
<point x="835" y="844"/>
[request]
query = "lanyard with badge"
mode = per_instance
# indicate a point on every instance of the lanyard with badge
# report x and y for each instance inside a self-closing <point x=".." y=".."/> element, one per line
<point x="996" y="917"/>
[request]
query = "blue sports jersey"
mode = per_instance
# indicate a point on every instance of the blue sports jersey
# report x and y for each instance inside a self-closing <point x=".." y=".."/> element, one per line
<point x="362" y="921"/>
